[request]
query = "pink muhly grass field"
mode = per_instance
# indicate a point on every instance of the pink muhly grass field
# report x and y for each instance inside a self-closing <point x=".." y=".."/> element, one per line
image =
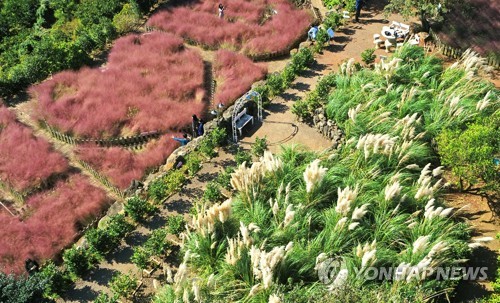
<point x="122" y="165"/>
<point x="241" y="27"/>
<point x="25" y="160"/>
<point x="52" y="222"/>
<point x="235" y="74"/>
<point x="151" y="82"/>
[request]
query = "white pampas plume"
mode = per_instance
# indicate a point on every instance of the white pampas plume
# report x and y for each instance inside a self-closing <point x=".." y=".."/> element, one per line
<point x="420" y="244"/>
<point x="359" y="213"/>
<point x="345" y="198"/>
<point x="341" y="223"/>
<point x="289" y="215"/>
<point x="353" y="226"/>
<point x="274" y="299"/>
<point x="313" y="175"/>
<point x="254" y="290"/>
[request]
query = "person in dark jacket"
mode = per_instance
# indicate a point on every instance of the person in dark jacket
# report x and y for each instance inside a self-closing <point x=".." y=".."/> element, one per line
<point x="194" y="125"/>
<point x="359" y="6"/>
<point x="201" y="128"/>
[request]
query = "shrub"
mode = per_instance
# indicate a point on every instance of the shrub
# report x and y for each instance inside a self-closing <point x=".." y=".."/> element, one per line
<point x="100" y="240"/>
<point x="288" y="75"/>
<point x="175" y="224"/>
<point x="123" y="285"/>
<point x="174" y="180"/>
<point x="193" y="163"/>
<point x="57" y="281"/>
<point x="243" y="156"/>
<point x="212" y="192"/>
<point x="158" y="189"/>
<point x="157" y="243"/>
<point x="105" y="298"/>
<point x="303" y="59"/>
<point x="79" y="261"/>
<point x="128" y="19"/>
<point x="207" y="148"/>
<point x="139" y="209"/>
<point x="224" y="177"/>
<point x="140" y="257"/>
<point x="117" y="226"/>
<point x="22" y="289"/>
<point x="275" y="84"/>
<point x="259" y="147"/>
<point x="368" y="56"/>
<point x="218" y="136"/>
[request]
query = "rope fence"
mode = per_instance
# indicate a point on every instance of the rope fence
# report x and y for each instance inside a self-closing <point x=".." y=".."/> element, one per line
<point x="15" y="194"/>
<point x="130" y="141"/>
<point x="102" y="179"/>
<point x="456" y="52"/>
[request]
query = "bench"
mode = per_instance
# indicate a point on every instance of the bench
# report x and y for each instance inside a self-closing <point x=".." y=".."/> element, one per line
<point x="242" y="119"/>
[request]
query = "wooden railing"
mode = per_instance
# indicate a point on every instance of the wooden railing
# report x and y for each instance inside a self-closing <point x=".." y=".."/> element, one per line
<point x="456" y="52"/>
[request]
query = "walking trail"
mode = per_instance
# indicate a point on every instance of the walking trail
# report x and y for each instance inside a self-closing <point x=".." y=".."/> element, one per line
<point x="280" y="126"/>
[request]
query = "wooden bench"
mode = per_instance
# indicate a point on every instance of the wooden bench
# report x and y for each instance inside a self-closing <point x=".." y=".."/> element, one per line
<point x="242" y="119"/>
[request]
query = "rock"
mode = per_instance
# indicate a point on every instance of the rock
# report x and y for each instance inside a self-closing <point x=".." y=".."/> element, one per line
<point x="293" y="51"/>
<point x="304" y="44"/>
<point x="329" y="123"/>
<point x="325" y="129"/>
<point x="258" y="83"/>
<point x="115" y="209"/>
<point x="321" y="117"/>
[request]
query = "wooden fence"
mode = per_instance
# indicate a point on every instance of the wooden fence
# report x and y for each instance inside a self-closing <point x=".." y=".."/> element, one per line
<point x="456" y="52"/>
<point x="15" y="194"/>
<point x="102" y="179"/>
<point x="131" y="141"/>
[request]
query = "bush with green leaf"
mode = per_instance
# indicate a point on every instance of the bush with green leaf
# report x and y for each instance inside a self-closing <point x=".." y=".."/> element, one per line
<point x="224" y="177"/>
<point x="123" y="285"/>
<point x="241" y="156"/>
<point x="193" y="163"/>
<point x="259" y="147"/>
<point x="105" y="298"/>
<point x="139" y="209"/>
<point x="175" y="224"/>
<point x="212" y="192"/>
<point x="79" y="260"/>
<point x="218" y="136"/>
<point x="368" y="56"/>
<point x="158" y="189"/>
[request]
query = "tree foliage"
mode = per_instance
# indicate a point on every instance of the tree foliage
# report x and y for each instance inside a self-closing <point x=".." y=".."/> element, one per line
<point x="424" y="9"/>
<point x="470" y="153"/>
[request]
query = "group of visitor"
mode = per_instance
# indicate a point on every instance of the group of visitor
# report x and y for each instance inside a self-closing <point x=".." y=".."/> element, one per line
<point x="198" y="129"/>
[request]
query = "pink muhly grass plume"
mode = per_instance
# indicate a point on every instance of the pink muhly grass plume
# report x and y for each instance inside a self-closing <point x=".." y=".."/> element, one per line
<point x="243" y="26"/>
<point x="51" y="223"/>
<point x="122" y="165"/>
<point x="235" y="74"/>
<point x="25" y="160"/>
<point x="151" y="82"/>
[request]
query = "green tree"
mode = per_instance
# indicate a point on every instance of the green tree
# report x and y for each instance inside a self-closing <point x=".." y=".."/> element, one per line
<point x="424" y="9"/>
<point x="470" y="154"/>
<point x="22" y="289"/>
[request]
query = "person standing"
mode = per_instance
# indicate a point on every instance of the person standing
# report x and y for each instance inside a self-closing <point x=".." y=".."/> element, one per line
<point x="359" y="5"/>
<point x="201" y="128"/>
<point x="194" y="125"/>
<point x="221" y="10"/>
